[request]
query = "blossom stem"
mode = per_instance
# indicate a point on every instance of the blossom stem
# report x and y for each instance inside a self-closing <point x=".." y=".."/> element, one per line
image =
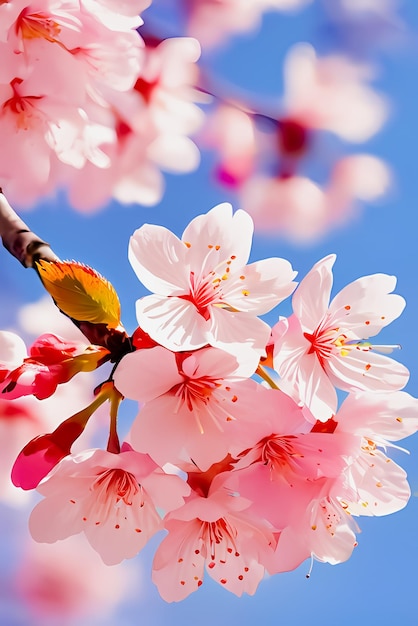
<point x="266" y="377"/>
<point x="19" y="240"/>
<point x="113" y="444"/>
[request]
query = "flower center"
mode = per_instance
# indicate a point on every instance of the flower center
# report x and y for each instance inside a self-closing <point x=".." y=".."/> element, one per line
<point x="206" y="288"/>
<point x="114" y="486"/>
<point x="37" y="26"/>
<point x="219" y="539"/>
<point x="195" y="391"/>
<point x="22" y="107"/>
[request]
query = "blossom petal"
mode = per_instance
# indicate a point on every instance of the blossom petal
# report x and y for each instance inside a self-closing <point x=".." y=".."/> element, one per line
<point x="366" y="370"/>
<point x="392" y="415"/>
<point x="178" y="565"/>
<point x="366" y="305"/>
<point x="172" y="322"/>
<point x="146" y="374"/>
<point x="219" y="227"/>
<point x="158" y="258"/>
<point x="380" y="483"/>
<point x="311" y="298"/>
<point x="261" y="286"/>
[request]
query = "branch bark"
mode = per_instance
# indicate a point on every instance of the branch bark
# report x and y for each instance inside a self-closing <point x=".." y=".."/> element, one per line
<point x="28" y="248"/>
<point x="19" y="240"/>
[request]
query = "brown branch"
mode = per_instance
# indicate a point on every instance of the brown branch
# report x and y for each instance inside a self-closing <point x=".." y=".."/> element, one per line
<point x="19" y="240"/>
<point x="28" y="248"/>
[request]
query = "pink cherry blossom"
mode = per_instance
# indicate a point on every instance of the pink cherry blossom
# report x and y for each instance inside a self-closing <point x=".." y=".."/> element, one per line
<point x="204" y="409"/>
<point x="112" y="498"/>
<point x="205" y="293"/>
<point x="322" y="345"/>
<point x="52" y="88"/>
<point x="331" y="93"/>
<point x="216" y="533"/>
<point x="301" y="210"/>
<point x="152" y="123"/>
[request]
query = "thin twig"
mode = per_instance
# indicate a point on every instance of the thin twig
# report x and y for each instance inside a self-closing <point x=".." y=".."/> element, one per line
<point x="19" y="240"/>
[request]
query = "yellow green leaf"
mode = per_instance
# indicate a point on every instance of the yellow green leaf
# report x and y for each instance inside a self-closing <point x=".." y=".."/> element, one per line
<point x="81" y="292"/>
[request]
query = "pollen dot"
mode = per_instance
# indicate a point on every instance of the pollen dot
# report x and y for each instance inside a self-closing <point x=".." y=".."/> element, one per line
<point x="234" y="398"/>
<point x="97" y="523"/>
<point x="182" y="582"/>
<point x="229" y="550"/>
<point x="187" y="244"/>
<point x="246" y="569"/>
<point x="211" y="564"/>
<point x="229" y="419"/>
<point x="233" y="256"/>
<point x="197" y="551"/>
<point x="138" y="530"/>
<point x="347" y="307"/>
<point x="245" y="292"/>
<point x="210" y="247"/>
<point x="313" y="527"/>
<point x="180" y="560"/>
<point x="236" y="553"/>
<point x="72" y="501"/>
<point x="223" y="581"/>
<point x="84" y="519"/>
<point x="240" y="577"/>
<point x="242" y="277"/>
<point x="200" y="582"/>
<point x="379" y="484"/>
<point x="117" y="526"/>
<point x="217" y="247"/>
<point x="399" y="419"/>
<point x="367" y="367"/>
<point x="367" y="322"/>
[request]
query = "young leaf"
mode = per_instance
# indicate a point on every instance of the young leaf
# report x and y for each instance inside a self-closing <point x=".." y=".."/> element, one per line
<point x="80" y="292"/>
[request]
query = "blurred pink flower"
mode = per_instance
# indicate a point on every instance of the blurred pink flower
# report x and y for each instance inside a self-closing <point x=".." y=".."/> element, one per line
<point x="63" y="60"/>
<point x="112" y="498"/>
<point x="331" y="93"/>
<point x="212" y="21"/>
<point x="205" y="293"/>
<point x="322" y="346"/>
<point x="298" y="208"/>
<point x="152" y="123"/>
<point x="67" y="582"/>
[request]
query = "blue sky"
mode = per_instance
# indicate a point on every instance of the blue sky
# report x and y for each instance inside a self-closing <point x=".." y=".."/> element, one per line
<point x="378" y="584"/>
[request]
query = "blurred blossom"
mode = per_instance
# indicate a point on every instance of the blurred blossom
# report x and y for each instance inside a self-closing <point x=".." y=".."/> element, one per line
<point x="298" y="208"/>
<point x="331" y="93"/>
<point x="152" y="124"/>
<point x="66" y="582"/>
<point x="268" y="159"/>
<point x="360" y="26"/>
<point x="63" y="57"/>
<point x="213" y="21"/>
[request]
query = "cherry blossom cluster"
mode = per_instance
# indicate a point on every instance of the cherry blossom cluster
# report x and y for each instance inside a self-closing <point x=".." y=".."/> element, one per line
<point x="267" y="157"/>
<point x="103" y="112"/>
<point x="242" y="451"/>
